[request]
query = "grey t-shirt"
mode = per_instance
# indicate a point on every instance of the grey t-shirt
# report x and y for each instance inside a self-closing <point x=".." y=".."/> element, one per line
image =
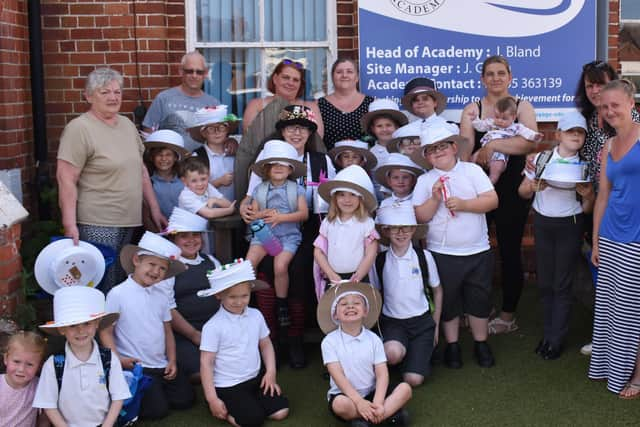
<point x="174" y="110"/>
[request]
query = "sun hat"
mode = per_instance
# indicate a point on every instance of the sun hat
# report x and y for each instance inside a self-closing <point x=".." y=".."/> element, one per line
<point x="398" y="215"/>
<point x="154" y="245"/>
<point x="62" y="264"/>
<point x="329" y="301"/>
<point x="423" y="85"/>
<point x="571" y="120"/>
<point x="229" y="275"/>
<point x="75" y="305"/>
<point x="433" y="135"/>
<point x="410" y="130"/>
<point x="278" y="151"/>
<point x="183" y="221"/>
<point x="165" y="138"/>
<point x="209" y="116"/>
<point x="382" y="107"/>
<point x="396" y="161"/>
<point x="356" y="146"/>
<point x="353" y="179"/>
<point x="297" y="115"/>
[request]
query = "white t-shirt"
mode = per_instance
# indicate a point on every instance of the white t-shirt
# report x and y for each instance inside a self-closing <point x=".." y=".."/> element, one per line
<point x="346" y="242"/>
<point x="394" y="200"/>
<point x="465" y="233"/>
<point x="192" y="202"/>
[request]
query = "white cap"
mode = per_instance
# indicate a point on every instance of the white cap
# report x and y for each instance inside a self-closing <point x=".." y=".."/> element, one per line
<point x="572" y="119"/>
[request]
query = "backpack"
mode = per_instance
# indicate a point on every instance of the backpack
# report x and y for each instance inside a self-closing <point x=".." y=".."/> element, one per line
<point x="542" y="161"/>
<point x="424" y="270"/>
<point x="292" y="194"/>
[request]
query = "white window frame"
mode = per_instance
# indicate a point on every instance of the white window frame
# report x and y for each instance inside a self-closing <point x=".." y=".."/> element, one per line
<point x="629" y="68"/>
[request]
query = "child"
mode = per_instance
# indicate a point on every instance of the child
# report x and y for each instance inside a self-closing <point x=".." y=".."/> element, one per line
<point x="406" y="139"/>
<point x="25" y="351"/>
<point x="143" y="333"/>
<point x="502" y="125"/>
<point x="383" y="118"/>
<point x="350" y="152"/>
<point x="233" y="341"/>
<point x="399" y="173"/>
<point x="213" y="128"/>
<point x="408" y="280"/>
<point x="346" y="245"/>
<point x="354" y="356"/>
<point x="199" y="196"/>
<point x="425" y="102"/>
<point x="85" y="397"/>
<point x="272" y="202"/>
<point x="453" y="198"/>
<point x="558" y="226"/>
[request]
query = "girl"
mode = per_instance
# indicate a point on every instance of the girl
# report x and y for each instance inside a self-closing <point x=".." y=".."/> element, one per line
<point x="383" y="118"/>
<point x="347" y="244"/>
<point x="22" y="360"/>
<point x="400" y="174"/>
<point x="281" y="203"/>
<point x="350" y="152"/>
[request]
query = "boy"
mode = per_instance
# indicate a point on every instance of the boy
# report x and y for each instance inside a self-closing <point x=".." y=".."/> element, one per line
<point x="406" y="139"/>
<point x="199" y="196"/>
<point x="383" y="118"/>
<point x="354" y="356"/>
<point x="143" y="333"/>
<point x="350" y="152"/>
<point x="83" y="398"/>
<point x="422" y="100"/>
<point x="453" y="198"/>
<point x="408" y="280"/>
<point x="231" y="345"/>
<point x="399" y="173"/>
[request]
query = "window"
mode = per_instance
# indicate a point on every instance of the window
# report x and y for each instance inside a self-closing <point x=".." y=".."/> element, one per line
<point x="243" y="40"/>
<point x="629" y="10"/>
<point x="629" y="40"/>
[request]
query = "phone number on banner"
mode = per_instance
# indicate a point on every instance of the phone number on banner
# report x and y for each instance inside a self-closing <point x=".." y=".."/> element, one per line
<point x="536" y="82"/>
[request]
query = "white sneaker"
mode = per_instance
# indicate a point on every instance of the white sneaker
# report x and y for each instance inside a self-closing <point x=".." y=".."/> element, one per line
<point x="586" y="349"/>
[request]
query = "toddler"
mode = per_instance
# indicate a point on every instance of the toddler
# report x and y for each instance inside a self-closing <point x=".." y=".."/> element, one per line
<point x="199" y="196"/>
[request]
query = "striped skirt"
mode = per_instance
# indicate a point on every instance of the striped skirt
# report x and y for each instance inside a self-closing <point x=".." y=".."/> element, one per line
<point x="616" y="324"/>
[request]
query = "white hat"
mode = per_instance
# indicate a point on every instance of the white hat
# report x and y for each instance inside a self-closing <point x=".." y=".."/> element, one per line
<point x="561" y="173"/>
<point x="572" y="119"/>
<point x="433" y="135"/>
<point x="396" y="161"/>
<point x="155" y="245"/>
<point x="397" y="215"/>
<point x="327" y="304"/>
<point x="209" y="116"/>
<point x="61" y="264"/>
<point x="383" y="107"/>
<point x="354" y="179"/>
<point x="78" y="304"/>
<point x="165" y="138"/>
<point x="357" y="146"/>
<point x="228" y="275"/>
<point x="278" y="151"/>
<point x="411" y="130"/>
<point x="183" y="221"/>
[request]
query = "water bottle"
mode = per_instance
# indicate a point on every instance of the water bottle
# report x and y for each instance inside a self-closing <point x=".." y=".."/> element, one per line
<point x="262" y="231"/>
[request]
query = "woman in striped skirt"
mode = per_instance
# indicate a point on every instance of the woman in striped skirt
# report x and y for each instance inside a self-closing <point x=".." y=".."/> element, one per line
<point x="616" y="248"/>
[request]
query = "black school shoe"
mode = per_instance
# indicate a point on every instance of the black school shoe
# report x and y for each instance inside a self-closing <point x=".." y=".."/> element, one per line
<point x="483" y="355"/>
<point x="400" y="418"/>
<point x="453" y="356"/>
<point x="553" y="352"/>
<point x="542" y="348"/>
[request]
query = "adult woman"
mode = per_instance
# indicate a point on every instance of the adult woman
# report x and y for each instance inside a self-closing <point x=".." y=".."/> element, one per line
<point x="100" y="173"/>
<point x="511" y="215"/>
<point x="342" y="110"/>
<point x="616" y="248"/>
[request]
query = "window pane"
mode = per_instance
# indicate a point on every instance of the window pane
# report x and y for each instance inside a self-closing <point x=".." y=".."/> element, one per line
<point x="295" y="20"/>
<point x="315" y="64"/>
<point x="227" y="20"/>
<point x="630" y="9"/>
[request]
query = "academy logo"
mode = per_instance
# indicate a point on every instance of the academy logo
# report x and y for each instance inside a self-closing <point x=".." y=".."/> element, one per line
<point x="417" y="8"/>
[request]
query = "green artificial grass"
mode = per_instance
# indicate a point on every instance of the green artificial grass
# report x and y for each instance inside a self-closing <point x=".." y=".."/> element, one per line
<point x="522" y="389"/>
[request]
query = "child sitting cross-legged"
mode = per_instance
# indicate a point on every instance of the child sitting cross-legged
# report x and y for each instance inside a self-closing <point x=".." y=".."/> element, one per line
<point x="359" y="392"/>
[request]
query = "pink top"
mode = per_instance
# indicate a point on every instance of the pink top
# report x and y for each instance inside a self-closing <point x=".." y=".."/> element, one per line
<point x="15" y="404"/>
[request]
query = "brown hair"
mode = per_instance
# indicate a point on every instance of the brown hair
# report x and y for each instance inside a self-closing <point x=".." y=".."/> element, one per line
<point x="28" y="340"/>
<point x="495" y="59"/>
<point x="193" y="164"/>
<point x="360" y="213"/>
<point x="151" y="153"/>
<point x="291" y="64"/>
<point x="507" y="105"/>
<point x="625" y="86"/>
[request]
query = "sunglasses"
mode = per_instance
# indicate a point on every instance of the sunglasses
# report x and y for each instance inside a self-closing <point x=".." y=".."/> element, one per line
<point x="296" y="64"/>
<point x="440" y="146"/>
<point x="194" y="71"/>
<point x="597" y="64"/>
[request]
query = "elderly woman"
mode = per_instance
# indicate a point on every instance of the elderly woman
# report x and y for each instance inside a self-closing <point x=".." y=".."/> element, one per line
<point x="342" y="110"/>
<point x="100" y="173"/>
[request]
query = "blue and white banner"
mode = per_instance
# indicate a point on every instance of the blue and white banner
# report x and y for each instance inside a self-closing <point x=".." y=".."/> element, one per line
<point x="545" y="41"/>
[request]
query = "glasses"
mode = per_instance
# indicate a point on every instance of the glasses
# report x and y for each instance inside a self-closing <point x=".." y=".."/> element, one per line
<point x="194" y="71"/>
<point x="405" y="142"/>
<point x="296" y="129"/>
<point x="440" y="146"/>
<point x="397" y="229"/>
<point x="594" y="64"/>
<point x="296" y="64"/>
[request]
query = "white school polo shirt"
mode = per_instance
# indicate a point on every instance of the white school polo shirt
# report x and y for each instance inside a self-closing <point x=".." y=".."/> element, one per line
<point x="83" y="399"/>
<point x="404" y="295"/>
<point x="346" y="242"/>
<point x="393" y="200"/>
<point x="465" y="233"/>
<point x="234" y="338"/>
<point x="190" y="201"/>
<point x="139" y="331"/>
<point x="357" y="356"/>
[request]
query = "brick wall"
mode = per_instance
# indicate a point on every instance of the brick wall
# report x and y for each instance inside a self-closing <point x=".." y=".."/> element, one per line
<point x="10" y="269"/>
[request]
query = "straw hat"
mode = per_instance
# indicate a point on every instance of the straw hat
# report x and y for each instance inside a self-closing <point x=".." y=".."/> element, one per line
<point x="328" y="302"/>
<point x="398" y="215"/>
<point x="165" y="138"/>
<point x="433" y="135"/>
<point x="396" y="161"/>
<point x="229" y="275"/>
<point x="155" y="245"/>
<point x="183" y="221"/>
<point x="411" y="130"/>
<point x="297" y="115"/>
<point x="278" y="151"/>
<point x="353" y="179"/>
<point x="211" y="116"/>
<point x="382" y="107"/>
<point x="356" y="146"/>
<point x="61" y="264"/>
<point x="423" y="85"/>
<point x="78" y="304"/>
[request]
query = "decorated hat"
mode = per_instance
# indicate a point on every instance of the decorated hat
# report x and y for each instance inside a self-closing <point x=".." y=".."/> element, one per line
<point x="423" y="85"/>
<point x="398" y="215"/>
<point x="78" y="304"/>
<point x="571" y="120"/>
<point x="211" y="116"/>
<point x="396" y="161"/>
<point x="165" y="138"/>
<point x="153" y="245"/>
<point x="61" y="264"/>
<point x="297" y="115"/>
<point x="278" y="151"/>
<point x="183" y="221"/>
<point x="383" y="107"/>
<point x="433" y="135"/>
<point x="411" y="130"/>
<point x="356" y="146"/>
<point x="327" y="305"/>
<point x="229" y="275"/>
<point x="353" y="179"/>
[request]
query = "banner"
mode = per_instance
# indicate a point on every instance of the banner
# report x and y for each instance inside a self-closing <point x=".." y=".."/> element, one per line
<point x="545" y="41"/>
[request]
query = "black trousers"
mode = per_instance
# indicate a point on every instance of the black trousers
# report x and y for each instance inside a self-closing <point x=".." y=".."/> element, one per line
<point x="164" y="394"/>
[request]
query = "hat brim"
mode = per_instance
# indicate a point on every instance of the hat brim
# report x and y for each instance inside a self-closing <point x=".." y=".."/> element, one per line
<point x="126" y="260"/>
<point x="196" y="131"/>
<point x="369" y="117"/>
<point x="369" y="200"/>
<point x="441" y="99"/>
<point x="256" y="285"/>
<point x="323" y="313"/>
<point x="52" y="251"/>
<point x="280" y="124"/>
<point x="381" y="173"/>
<point x="419" y="158"/>
<point x="420" y="233"/>
<point x="106" y="320"/>
<point x="181" y="152"/>
<point x="371" y="160"/>
<point x="299" y="168"/>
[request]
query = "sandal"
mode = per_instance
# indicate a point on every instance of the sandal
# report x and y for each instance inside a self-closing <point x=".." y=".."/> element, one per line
<point x="499" y="326"/>
<point x="633" y="389"/>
